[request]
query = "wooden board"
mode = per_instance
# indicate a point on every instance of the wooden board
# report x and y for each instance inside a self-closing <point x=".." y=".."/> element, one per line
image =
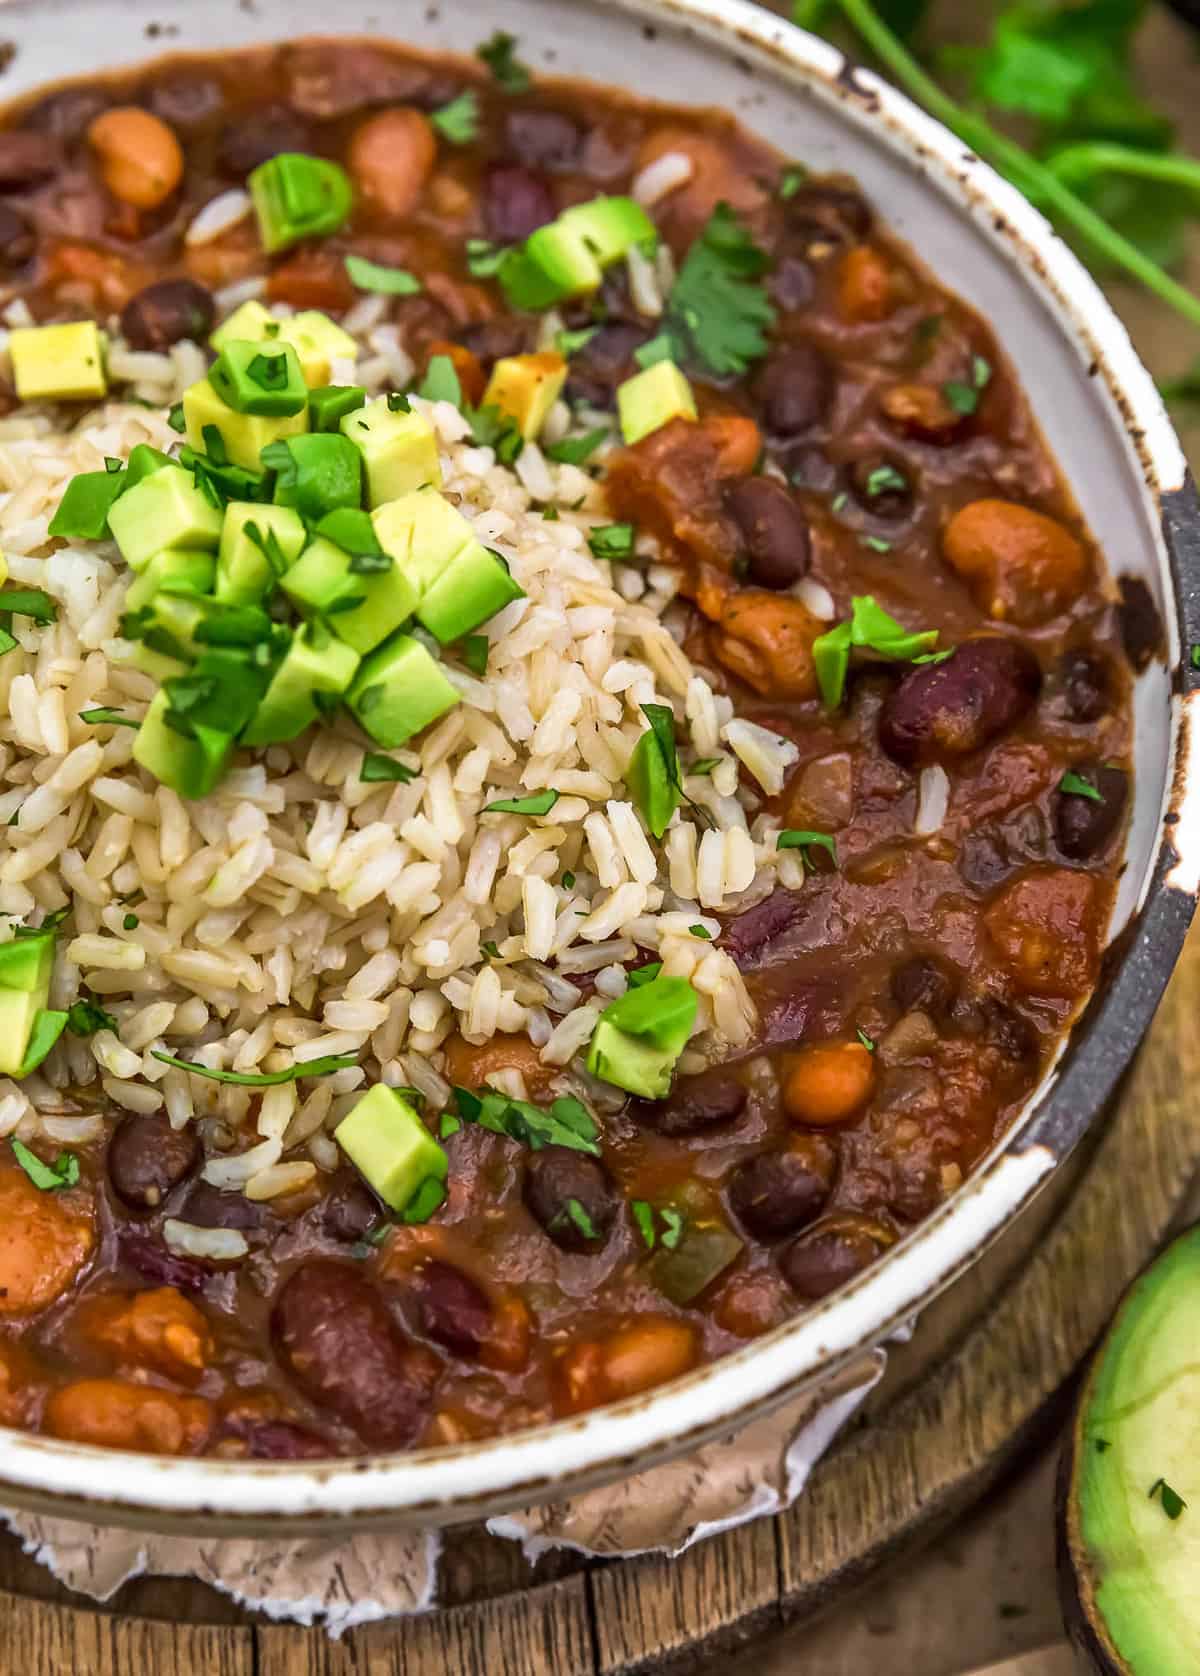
<point x="974" y="1387"/>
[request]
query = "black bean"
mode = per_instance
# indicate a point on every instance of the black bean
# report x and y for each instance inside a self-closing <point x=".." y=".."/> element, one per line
<point x="543" y="139"/>
<point x="147" y="1159"/>
<point x="793" y="283"/>
<point x="249" y="141"/>
<point x="774" y="530"/>
<point x="186" y="102"/>
<point x="17" y="241"/>
<point x="984" y="860"/>
<point x="452" y="1309"/>
<point x="168" y="312"/>
<point x="779" y="1193"/>
<point x="828" y="212"/>
<point x="748" y="938"/>
<point x="144" y="1252"/>
<point x="915" y="1187"/>
<point x="881" y="486"/>
<point x="1085" y="684"/>
<point x="572" y="1196"/>
<point x="694" y="1104"/>
<point x="995" y="1024"/>
<point x="27" y="158"/>
<point x="338" y="1340"/>
<point x="516" y="202"/>
<point x="349" y="1210"/>
<point x="209" y="1207"/>
<point x="924" y="984"/>
<point x="1141" y="624"/>
<point x="818" y="1263"/>
<point x="67" y="115"/>
<point x="605" y="361"/>
<point x="945" y="710"/>
<point x="794" y="390"/>
<point x="1082" y="825"/>
<point x="494" y="340"/>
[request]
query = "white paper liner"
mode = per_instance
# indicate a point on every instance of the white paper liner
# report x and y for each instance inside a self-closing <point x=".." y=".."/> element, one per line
<point x="362" y="1579"/>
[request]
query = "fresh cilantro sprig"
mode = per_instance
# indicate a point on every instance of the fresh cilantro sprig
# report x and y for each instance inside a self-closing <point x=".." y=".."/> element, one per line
<point x="718" y="313"/>
<point x="567" y="1122"/>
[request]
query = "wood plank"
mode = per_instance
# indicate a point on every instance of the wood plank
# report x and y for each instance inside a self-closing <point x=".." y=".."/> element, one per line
<point x="59" y="1641"/>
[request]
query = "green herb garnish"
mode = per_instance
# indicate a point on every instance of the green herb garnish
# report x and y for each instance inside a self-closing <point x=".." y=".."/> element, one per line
<point x="1173" y="1503"/>
<point x="377" y="766"/>
<point x="33" y="603"/>
<point x="792" y="839"/>
<point x="322" y="1067"/>
<point x="718" y="312"/>
<point x="386" y="282"/>
<point x="475" y="649"/>
<point x="567" y="1122"/>
<point x="643" y="1216"/>
<point x="871" y="628"/>
<point x="1076" y="786"/>
<point x="458" y="121"/>
<point x="84" y="1018"/>
<point x="612" y="541"/>
<point x="499" y="54"/>
<point x="102" y="716"/>
<point x="64" y="1172"/>
<point x="575" y="450"/>
<point x="537" y="803"/>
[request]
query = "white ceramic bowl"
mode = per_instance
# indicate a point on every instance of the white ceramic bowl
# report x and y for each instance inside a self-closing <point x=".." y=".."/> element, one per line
<point x="1103" y="419"/>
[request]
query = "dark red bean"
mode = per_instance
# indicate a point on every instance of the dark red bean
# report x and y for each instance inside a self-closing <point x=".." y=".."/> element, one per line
<point x="249" y="141"/>
<point x="915" y="1187"/>
<point x="793" y="284"/>
<point x="1141" y="623"/>
<point x="493" y="340"/>
<point x="27" y="158"/>
<point x="994" y="1024"/>
<point x="604" y="362"/>
<point x="924" y="984"/>
<point x="451" y="1308"/>
<point x="326" y="81"/>
<point x="186" y="102"/>
<point x="343" y="1349"/>
<point x="147" y="1256"/>
<point x="166" y="313"/>
<point x="209" y="1207"/>
<point x="278" y="1440"/>
<point x="794" y="390"/>
<point x="779" y="1193"/>
<point x="774" y="530"/>
<point x="798" y="1012"/>
<point x="830" y="213"/>
<point x="1086" y="686"/>
<point x="147" y="1159"/>
<point x="349" y="1210"/>
<point x="516" y="202"/>
<point x="748" y="939"/>
<point x="67" y="115"/>
<point x="946" y="710"/>
<point x="818" y="1263"/>
<point x="17" y="240"/>
<point x="881" y="487"/>
<point x="1083" y="826"/>
<point x="694" y="1104"/>
<point x="543" y="139"/>
<point x="572" y="1196"/>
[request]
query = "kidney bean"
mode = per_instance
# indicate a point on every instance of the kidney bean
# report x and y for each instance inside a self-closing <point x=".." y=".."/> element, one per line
<point x="790" y="1015"/>
<point x="818" y="1263"/>
<point x="349" y="1210"/>
<point x="391" y="157"/>
<point x="346" y="1353"/>
<point x="145" y="1253"/>
<point x="779" y="1193"/>
<point x="278" y="1440"/>
<point x="249" y="141"/>
<point x="186" y="101"/>
<point x="543" y="139"/>
<point x="1021" y="565"/>
<point x="557" y="1178"/>
<point x="27" y="158"/>
<point x="17" y="240"/>
<point x="493" y="340"/>
<point x="68" y="114"/>
<point x="881" y="487"/>
<point x="516" y="202"/>
<point x="1086" y="686"/>
<point x="120" y="1415"/>
<point x="774" y="529"/>
<point x="924" y="984"/>
<point x="452" y="1309"/>
<point x="166" y="313"/>
<point x="1083" y="826"/>
<point x="915" y="1187"/>
<point x="827" y="211"/>
<point x="945" y="710"/>
<point x="147" y="1159"/>
<point x="794" y="390"/>
<point x="694" y="1104"/>
<point x="748" y="938"/>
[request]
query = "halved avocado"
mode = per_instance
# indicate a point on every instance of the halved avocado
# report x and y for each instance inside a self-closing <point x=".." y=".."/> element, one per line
<point x="1129" y="1502"/>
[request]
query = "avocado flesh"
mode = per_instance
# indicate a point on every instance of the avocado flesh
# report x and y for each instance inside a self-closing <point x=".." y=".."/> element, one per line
<point x="1137" y="1569"/>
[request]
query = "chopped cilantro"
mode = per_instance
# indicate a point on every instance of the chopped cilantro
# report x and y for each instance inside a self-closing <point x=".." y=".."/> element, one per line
<point x="643" y="1216"/>
<point x="1076" y="786"/>
<point x="441" y="382"/>
<point x="322" y="1067"/>
<point x="570" y="343"/>
<point x="790" y="181"/>
<point x="883" y="479"/>
<point x="673" y="1221"/>
<point x="458" y="121"/>
<point x="705" y="766"/>
<point x="574" y="450"/>
<point x="792" y="839"/>
<point x="102" y="716"/>
<point x="484" y="259"/>
<point x="865" y="1040"/>
<point x="574" y="1212"/>
<point x="377" y="766"/>
<point x="475" y="649"/>
<point x="567" y="1122"/>
<point x="718" y="312"/>
<point x="612" y="541"/>
<point x="499" y="54"/>
<point x="702" y="932"/>
<point x="537" y="803"/>
<point x="386" y="282"/>
<point x="644" y="974"/>
<point x="64" y="1172"/>
<point x="33" y="603"/>
<point x="84" y="1018"/>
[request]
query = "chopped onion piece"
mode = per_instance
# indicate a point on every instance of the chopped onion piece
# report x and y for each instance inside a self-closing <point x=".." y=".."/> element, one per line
<point x="186" y="1239"/>
<point x="816" y="599"/>
<point x="933" y="799"/>
<point x="666" y="174"/>
<point x="218" y="216"/>
<point x="643" y="283"/>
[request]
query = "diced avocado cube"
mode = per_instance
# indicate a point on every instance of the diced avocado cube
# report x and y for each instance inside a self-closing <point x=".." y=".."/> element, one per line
<point x="398" y="691"/>
<point x="191" y="767"/>
<point x="527" y="286"/>
<point x="317" y="474"/>
<point x="630" y="1063"/>
<point x="423" y="533"/>
<point x="299" y="197"/>
<point x="315" y="662"/>
<point x="82" y="513"/>
<point x="157" y="665"/>
<point x="58" y="363"/>
<point x="472" y="588"/>
<point x="257" y="544"/>
<point x="251" y="322"/>
<point x="27" y="962"/>
<point x="640" y="1036"/>
<point x="175" y="570"/>
<point x="399" y="450"/>
<point x="245" y="435"/>
<point x="526" y="387"/>
<point x="610" y="226"/>
<point x="179" y="616"/>
<point x="18" y="1010"/>
<point x="362" y="607"/>
<point x="318" y="342"/>
<point x="651" y="399"/>
<point x="329" y="404"/>
<point x="260" y="378"/>
<point x="385" y="1139"/>
<point x="563" y="254"/>
<point x="143" y="462"/>
<point x="164" y="510"/>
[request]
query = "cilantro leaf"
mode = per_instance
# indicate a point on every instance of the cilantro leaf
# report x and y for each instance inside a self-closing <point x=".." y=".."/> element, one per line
<point x="567" y="1122"/>
<point x="499" y="54"/>
<point x="385" y="282"/>
<point x="322" y="1067"/>
<point x="458" y="121"/>
<point x="64" y="1172"/>
<point x="537" y="803"/>
<point x="84" y="1018"/>
<point x="718" y="313"/>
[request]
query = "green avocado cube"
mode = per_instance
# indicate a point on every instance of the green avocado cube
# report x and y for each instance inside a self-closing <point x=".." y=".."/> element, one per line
<point x="329" y="404"/>
<point x="262" y="378"/>
<point x="398" y="691"/>
<point x="629" y="1063"/>
<point x="245" y="435"/>
<point x="399" y="450"/>
<point x="640" y="1036"/>
<point x="362" y="607"/>
<point x="258" y="543"/>
<point x="317" y="474"/>
<point x="58" y="363"/>
<point x="173" y="571"/>
<point x="250" y="323"/>
<point x="191" y="767"/>
<point x="27" y="962"/>
<point x="318" y="342"/>
<point x="18" y="1010"/>
<point x="563" y="254"/>
<point x="164" y="510"/>
<point x="158" y="665"/>
<point x="143" y="462"/>
<point x="610" y="227"/>
<point x="385" y="1139"/>
<point x="473" y="587"/>
<point x="315" y="662"/>
<point x="651" y="399"/>
<point x="423" y="533"/>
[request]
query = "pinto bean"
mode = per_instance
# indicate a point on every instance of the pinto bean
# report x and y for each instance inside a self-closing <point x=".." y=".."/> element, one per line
<point x="829" y="1083"/>
<point x="945" y="710"/>
<point x="779" y="1193"/>
<point x="249" y="141"/>
<point x="774" y="529"/>
<point x="1086" y="686"/>
<point x="922" y="411"/>
<point x="1021" y="565"/>
<point x="147" y="1158"/>
<point x="516" y="202"/>
<point x="558" y="1179"/>
<point x="1083" y="826"/>
<point x="140" y="158"/>
<point x="452" y="1309"/>
<point x="543" y="139"/>
<point x="633" y="1359"/>
<point x="694" y="1104"/>
<point x="162" y="1330"/>
<point x="391" y="156"/>
<point x="27" y="158"/>
<point x="166" y="313"/>
<point x="924" y="984"/>
<point x="794" y="390"/>
<point x="767" y="640"/>
<point x="342" y="1347"/>
<point x="1044" y="928"/>
<point x="119" y="1415"/>
<point x="819" y="1262"/>
<point x="47" y="1239"/>
<point x="17" y="240"/>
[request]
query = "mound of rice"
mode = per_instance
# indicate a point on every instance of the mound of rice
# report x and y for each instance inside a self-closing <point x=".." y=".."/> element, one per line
<point x="299" y="911"/>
